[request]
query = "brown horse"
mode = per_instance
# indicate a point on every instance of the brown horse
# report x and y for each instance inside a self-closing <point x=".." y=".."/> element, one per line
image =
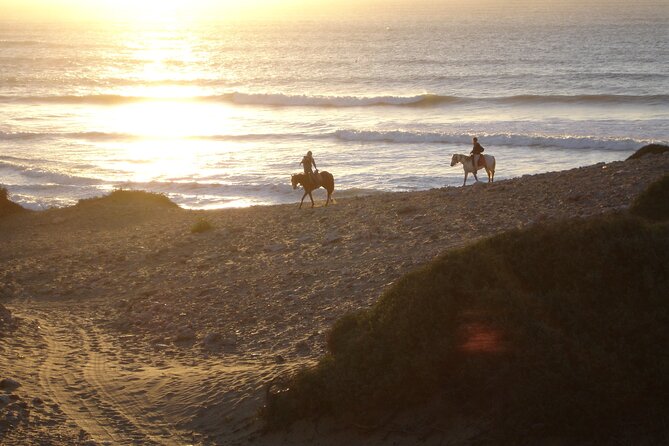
<point x="327" y="181"/>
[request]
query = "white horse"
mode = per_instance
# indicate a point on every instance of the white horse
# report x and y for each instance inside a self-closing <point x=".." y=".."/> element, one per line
<point x="468" y="166"/>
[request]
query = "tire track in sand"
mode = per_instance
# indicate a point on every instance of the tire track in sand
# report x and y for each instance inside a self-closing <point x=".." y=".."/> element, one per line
<point x="78" y="373"/>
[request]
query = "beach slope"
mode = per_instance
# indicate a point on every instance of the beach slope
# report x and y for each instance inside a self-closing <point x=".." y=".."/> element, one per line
<point x="130" y="321"/>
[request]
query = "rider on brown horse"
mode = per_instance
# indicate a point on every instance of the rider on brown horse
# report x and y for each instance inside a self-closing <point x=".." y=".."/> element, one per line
<point x="307" y="162"/>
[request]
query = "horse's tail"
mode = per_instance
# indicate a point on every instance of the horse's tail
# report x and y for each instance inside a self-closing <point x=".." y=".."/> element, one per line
<point x="328" y="184"/>
<point x="328" y="181"/>
<point x="490" y="167"/>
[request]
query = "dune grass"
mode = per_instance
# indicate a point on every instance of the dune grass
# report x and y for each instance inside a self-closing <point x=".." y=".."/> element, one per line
<point x="653" y="203"/>
<point x="576" y="318"/>
<point x="202" y="225"/>
<point x="129" y="197"/>
<point x="7" y="206"/>
<point x="649" y="149"/>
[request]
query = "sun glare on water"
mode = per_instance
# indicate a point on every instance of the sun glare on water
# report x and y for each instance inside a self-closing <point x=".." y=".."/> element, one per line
<point x="165" y="116"/>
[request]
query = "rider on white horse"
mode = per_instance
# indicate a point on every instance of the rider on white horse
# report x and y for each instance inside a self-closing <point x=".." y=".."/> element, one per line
<point x="476" y="152"/>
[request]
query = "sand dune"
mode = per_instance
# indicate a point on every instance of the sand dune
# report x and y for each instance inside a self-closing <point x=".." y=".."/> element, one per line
<point x="127" y="328"/>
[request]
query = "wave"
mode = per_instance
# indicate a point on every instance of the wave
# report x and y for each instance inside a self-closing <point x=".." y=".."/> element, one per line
<point x="18" y="43"/>
<point x="290" y="100"/>
<point x="278" y="99"/>
<point x="48" y="177"/>
<point x="391" y="137"/>
<point x="98" y="99"/>
<point x="105" y="136"/>
<point x="594" y="99"/>
<point x="95" y="136"/>
<point x="36" y="44"/>
<point x="501" y="139"/>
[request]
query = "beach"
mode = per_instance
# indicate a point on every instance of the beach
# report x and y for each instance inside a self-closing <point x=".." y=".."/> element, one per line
<point x="129" y="328"/>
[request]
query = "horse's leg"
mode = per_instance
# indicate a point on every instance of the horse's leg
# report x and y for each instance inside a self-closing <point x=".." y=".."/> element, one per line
<point x="330" y="192"/>
<point x="475" y="177"/>
<point x="312" y="199"/>
<point x="302" y="201"/>
<point x="489" y="177"/>
<point x="465" y="182"/>
<point x="328" y="198"/>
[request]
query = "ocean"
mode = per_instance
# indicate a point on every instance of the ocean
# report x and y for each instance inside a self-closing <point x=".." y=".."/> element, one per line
<point x="219" y="114"/>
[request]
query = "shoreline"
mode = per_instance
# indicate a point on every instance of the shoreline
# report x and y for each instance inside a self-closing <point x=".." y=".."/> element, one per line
<point x="210" y="195"/>
<point x="181" y="332"/>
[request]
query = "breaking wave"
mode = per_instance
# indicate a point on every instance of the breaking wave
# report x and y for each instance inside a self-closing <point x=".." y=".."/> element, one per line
<point x="290" y="100"/>
<point x="509" y="140"/>
<point x="389" y="137"/>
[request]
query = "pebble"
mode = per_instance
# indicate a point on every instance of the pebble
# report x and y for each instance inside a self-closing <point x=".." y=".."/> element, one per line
<point x="302" y="347"/>
<point x="9" y="384"/>
<point x="331" y="238"/>
<point x="211" y="339"/>
<point x="185" y="334"/>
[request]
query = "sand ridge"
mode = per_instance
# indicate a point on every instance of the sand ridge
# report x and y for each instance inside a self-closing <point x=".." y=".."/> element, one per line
<point x="133" y="330"/>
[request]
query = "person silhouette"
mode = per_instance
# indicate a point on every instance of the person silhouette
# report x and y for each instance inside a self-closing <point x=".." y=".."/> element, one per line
<point x="307" y="162"/>
<point x="477" y="151"/>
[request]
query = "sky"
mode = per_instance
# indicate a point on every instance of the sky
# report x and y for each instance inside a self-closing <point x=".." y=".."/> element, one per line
<point x="147" y="10"/>
<point x="158" y="9"/>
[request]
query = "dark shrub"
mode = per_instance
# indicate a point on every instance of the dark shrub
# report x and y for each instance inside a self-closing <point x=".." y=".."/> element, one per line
<point x="130" y="197"/>
<point x="653" y="203"/>
<point x="566" y="329"/>
<point x="201" y="225"/>
<point x="649" y="149"/>
<point x="7" y="206"/>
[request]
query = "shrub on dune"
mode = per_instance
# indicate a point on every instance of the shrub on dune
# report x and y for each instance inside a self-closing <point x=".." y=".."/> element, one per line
<point x="200" y="226"/>
<point x="653" y="203"/>
<point x="130" y="197"/>
<point x="563" y="327"/>
<point x="7" y="206"/>
<point x="649" y="149"/>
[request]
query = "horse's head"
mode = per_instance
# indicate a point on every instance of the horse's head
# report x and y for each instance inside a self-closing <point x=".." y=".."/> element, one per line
<point x="454" y="160"/>
<point x="294" y="180"/>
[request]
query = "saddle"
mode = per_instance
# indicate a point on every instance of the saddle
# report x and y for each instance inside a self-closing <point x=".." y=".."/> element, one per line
<point x="316" y="179"/>
<point x="481" y="162"/>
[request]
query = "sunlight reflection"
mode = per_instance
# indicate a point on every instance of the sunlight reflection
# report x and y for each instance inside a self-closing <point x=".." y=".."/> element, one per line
<point x="154" y="160"/>
<point x="217" y="203"/>
<point x="172" y="119"/>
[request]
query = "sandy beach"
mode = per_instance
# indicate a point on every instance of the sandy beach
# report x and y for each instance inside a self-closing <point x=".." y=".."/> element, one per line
<point x="128" y="328"/>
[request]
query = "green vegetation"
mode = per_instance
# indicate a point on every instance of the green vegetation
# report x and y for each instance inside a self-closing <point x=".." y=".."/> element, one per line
<point x="578" y="322"/>
<point x="129" y="197"/>
<point x="201" y="225"/>
<point x="649" y="149"/>
<point x="653" y="203"/>
<point x="7" y="206"/>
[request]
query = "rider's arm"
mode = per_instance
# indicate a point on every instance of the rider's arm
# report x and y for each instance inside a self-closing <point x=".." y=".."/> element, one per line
<point x="313" y="161"/>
